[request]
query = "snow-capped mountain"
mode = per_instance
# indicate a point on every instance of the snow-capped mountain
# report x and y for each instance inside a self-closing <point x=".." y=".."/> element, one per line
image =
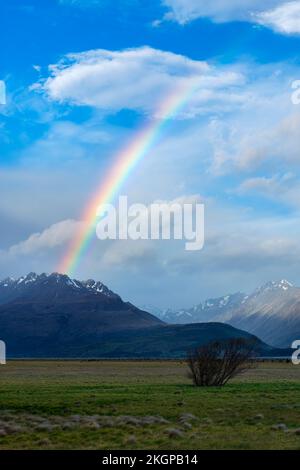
<point x="203" y="312"/>
<point x="52" y="286"/>
<point x="56" y="316"/>
<point x="272" y="312"/>
<point x="55" y="299"/>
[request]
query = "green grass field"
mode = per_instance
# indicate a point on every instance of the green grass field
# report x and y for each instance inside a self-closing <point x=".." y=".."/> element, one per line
<point x="145" y="405"/>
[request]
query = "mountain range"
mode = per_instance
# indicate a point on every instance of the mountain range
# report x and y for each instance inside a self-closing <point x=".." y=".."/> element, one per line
<point x="271" y="312"/>
<point x="55" y="316"/>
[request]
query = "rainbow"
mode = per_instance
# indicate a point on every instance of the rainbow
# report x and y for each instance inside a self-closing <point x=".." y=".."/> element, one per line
<point x="124" y="163"/>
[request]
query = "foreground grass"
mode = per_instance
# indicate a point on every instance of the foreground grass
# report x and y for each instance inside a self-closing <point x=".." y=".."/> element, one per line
<point x="145" y="405"/>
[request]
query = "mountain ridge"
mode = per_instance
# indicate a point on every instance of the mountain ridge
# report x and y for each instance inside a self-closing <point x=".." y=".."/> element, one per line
<point x="272" y="312"/>
<point x="51" y="315"/>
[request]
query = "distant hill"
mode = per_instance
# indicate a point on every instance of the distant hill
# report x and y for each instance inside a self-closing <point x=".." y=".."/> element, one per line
<point x="169" y="341"/>
<point x="271" y="312"/>
<point x="55" y="316"/>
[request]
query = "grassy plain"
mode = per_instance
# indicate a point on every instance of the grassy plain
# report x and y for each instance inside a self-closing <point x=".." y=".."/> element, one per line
<point x="145" y="405"/>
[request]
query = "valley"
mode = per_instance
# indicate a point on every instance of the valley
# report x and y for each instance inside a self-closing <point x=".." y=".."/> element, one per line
<point x="145" y="405"/>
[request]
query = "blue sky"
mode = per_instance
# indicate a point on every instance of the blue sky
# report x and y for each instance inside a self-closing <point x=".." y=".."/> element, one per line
<point x="81" y="78"/>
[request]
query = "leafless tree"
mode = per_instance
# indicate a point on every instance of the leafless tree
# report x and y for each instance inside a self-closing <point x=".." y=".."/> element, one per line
<point x="217" y="362"/>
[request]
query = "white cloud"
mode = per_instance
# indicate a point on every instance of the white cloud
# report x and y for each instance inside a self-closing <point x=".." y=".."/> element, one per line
<point x="260" y="135"/>
<point x="269" y="186"/>
<point x="279" y="188"/>
<point x="140" y="79"/>
<point x="272" y="140"/>
<point x="282" y="16"/>
<point x="67" y="142"/>
<point x="184" y="11"/>
<point x="284" y="19"/>
<point x="52" y="237"/>
<point x="134" y="254"/>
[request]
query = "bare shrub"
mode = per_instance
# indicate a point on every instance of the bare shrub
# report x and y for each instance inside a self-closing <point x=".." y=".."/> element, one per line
<point x="217" y="362"/>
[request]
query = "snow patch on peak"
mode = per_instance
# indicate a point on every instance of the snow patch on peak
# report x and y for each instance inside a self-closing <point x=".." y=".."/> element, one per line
<point x="98" y="287"/>
<point x="31" y="277"/>
<point x="60" y="282"/>
<point x="223" y="302"/>
<point x="7" y="282"/>
<point x="76" y="284"/>
<point x="283" y="284"/>
<point x="245" y="299"/>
